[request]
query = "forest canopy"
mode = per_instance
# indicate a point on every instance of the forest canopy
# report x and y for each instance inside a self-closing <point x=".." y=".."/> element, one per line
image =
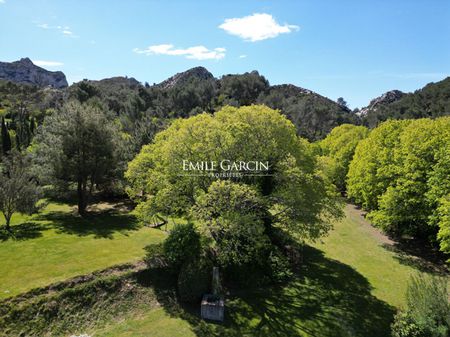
<point x="297" y="198"/>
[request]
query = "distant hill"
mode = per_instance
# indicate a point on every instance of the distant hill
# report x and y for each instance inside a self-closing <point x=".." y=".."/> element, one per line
<point x="145" y="109"/>
<point x="25" y="72"/>
<point x="184" y="77"/>
<point x="313" y="115"/>
<point x="196" y="90"/>
<point x="381" y="101"/>
<point x="433" y="100"/>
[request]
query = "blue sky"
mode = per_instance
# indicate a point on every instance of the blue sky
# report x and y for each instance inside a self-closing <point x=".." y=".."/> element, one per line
<point x="356" y="49"/>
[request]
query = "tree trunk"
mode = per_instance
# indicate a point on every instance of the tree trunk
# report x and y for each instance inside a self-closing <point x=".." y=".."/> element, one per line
<point x="81" y="198"/>
<point x="8" y="223"/>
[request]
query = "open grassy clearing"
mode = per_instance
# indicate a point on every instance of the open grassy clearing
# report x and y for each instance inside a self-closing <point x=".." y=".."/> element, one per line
<point x="56" y="244"/>
<point x="356" y="243"/>
<point x="350" y="285"/>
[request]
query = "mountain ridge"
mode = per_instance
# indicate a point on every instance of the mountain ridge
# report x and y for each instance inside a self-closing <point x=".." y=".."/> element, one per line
<point x="24" y="71"/>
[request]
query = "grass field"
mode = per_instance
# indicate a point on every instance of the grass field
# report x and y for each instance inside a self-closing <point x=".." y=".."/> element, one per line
<point x="55" y="245"/>
<point x="357" y="244"/>
<point x="350" y="285"/>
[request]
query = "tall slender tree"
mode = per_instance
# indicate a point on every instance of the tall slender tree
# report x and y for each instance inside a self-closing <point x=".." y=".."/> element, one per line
<point x="6" y="139"/>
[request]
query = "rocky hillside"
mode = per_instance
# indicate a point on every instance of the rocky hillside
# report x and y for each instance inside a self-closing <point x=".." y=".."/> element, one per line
<point x="197" y="90"/>
<point x="433" y="100"/>
<point x="383" y="100"/>
<point x="25" y="72"/>
<point x="184" y="77"/>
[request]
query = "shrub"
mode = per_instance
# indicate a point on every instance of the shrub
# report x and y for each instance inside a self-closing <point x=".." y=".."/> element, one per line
<point x="279" y="266"/>
<point x="404" y="326"/>
<point x="182" y="244"/>
<point x="428" y="310"/>
<point x="194" y="279"/>
<point x="155" y="255"/>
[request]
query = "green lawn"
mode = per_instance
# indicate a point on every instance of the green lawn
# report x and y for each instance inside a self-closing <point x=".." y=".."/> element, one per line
<point x="156" y="323"/>
<point x="55" y="245"/>
<point x="357" y="244"/>
<point x="350" y="285"/>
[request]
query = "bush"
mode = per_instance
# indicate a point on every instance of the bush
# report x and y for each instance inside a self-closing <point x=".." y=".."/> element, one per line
<point x="428" y="310"/>
<point x="279" y="266"/>
<point x="155" y="255"/>
<point x="404" y="326"/>
<point x="182" y="244"/>
<point x="194" y="279"/>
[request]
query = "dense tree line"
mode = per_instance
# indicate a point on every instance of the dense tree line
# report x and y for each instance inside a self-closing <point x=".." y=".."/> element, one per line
<point x="337" y="149"/>
<point x="400" y="173"/>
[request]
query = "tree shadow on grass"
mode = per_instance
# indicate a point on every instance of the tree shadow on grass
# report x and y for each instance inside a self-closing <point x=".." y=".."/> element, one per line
<point x="100" y="224"/>
<point x="325" y="299"/>
<point x="419" y="255"/>
<point x="24" y="231"/>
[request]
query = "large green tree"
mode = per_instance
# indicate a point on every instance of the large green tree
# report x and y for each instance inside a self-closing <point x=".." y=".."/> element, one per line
<point x="233" y="216"/>
<point x="80" y="145"/>
<point x="294" y="191"/>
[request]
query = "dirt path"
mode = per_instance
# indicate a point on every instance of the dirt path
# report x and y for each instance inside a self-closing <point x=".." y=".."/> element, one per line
<point x="410" y="252"/>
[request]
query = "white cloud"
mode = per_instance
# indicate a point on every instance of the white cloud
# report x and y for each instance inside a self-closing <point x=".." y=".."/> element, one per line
<point x="42" y="63"/>
<point x="196" y="52"/>
<point x="242" y="56"/>
<point x="2" y="1"/>
<point x="256" y="27"/>
<point x="65" y="30"/>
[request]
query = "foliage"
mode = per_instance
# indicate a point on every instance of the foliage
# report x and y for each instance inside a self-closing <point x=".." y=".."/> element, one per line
<point x="341" y="101"/>
<point x="338" y="149"/>
<point x="401" y="174"/>
<point x="5" y="138"/>
<point x="182" y="244"/>
<point x="371" y="170"/>
<point x="242" y="89"/>
<point x="233" y="216"/>
<point x="296" y="193"/>
<point x="433" y="101"/>
<point x="194" y="279"/>
<point x="154" y="255"/>
<point x="279" y="266"/>
<point x="23" y="107"/>
<point x="18" y="190"/>
<point x="428" y="309"/>
<point x="443" y="212"/>
<point x="313" y="115"/>
<point x="78" y="144"/>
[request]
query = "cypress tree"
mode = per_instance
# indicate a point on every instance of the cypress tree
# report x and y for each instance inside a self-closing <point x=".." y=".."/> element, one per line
<point x="6" y="139"/>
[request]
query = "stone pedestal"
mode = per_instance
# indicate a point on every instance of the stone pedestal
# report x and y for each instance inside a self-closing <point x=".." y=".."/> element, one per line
<point x="212" y="307"/>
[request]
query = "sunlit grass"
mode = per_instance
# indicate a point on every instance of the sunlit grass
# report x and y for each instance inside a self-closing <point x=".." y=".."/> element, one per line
<point x="57" y="244"/>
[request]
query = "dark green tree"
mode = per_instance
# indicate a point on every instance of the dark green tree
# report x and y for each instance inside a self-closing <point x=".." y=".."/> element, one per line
<point x="6" y="139"/>
<point x="79" y="144"/>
